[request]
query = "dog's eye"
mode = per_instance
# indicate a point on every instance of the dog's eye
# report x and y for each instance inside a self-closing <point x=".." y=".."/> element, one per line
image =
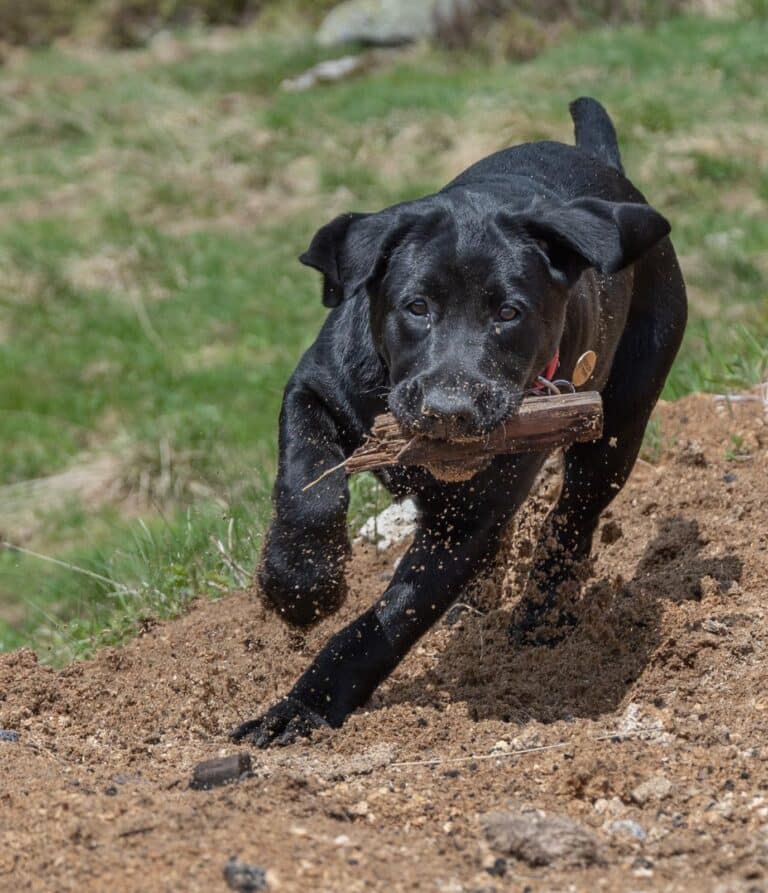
<point x="419" y="307"/>
<point x="508" y="312"/>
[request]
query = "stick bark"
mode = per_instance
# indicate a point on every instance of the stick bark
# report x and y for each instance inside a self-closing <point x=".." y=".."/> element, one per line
<point x="542" y="423"/>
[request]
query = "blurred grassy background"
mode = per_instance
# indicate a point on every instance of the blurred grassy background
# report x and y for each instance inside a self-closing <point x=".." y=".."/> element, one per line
<point x="153" y="202"/>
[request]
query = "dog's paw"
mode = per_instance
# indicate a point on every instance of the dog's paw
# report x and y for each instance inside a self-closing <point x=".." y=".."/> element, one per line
<point x="303" y="584"/>
<point x="288" y="720"/>
<point x="300" y="602"/>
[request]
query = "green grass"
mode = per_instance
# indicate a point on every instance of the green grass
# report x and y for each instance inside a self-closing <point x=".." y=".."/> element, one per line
<point x="151" y="305"/>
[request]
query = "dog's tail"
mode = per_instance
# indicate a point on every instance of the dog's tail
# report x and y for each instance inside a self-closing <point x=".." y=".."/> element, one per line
<point x="595" y="132"/>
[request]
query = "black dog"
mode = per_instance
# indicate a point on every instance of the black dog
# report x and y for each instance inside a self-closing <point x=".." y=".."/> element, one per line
<point x="446" y="309"/>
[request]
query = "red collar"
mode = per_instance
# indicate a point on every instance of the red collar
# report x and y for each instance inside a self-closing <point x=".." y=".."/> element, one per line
<point x="549" y="372"/>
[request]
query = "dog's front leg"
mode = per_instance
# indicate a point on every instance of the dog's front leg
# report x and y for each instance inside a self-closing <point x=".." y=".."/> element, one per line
<point x="348" y="669"/>
<point x="302" y="568"/>
<point x="450" y="547"/>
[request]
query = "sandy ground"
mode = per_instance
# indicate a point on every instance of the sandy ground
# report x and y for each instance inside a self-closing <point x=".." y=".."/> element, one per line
<point x="647" y="726"/>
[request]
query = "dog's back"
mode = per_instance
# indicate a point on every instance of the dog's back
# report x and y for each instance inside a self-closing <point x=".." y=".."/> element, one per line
<point x="592" y="167"/>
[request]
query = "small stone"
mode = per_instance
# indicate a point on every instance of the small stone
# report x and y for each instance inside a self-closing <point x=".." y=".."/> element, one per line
<point x="244" y="877"/>
<point x="655" y="788"/>
<point x="500" y="747"/>
<point x="454" y="614"/>
<point x="359" y="810"/>
<point x="709" y="587"/>
<point x="341" y="840"/>
<point x="538" y="839"/>
<point x="611" y="532"/>
<point x="716" y="627"/>
<point x="628" y="827"/>
<point x="498" y="868"/>
<point x="692" y="454"/>
<point x="10" y="736"/>
<point x="603" y="806"/>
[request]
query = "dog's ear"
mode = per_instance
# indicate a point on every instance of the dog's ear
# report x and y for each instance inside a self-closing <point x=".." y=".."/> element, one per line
<point x="589" y="232"/>
<point x="326" y="254"/>
<point x="353" y="250"/>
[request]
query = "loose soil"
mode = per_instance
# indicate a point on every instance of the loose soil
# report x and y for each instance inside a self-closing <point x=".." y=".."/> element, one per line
<point x="647" y="726"/>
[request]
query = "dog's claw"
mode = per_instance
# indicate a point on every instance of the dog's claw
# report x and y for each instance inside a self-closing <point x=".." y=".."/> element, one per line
<point x="244" y="730"/>
<point x="283" y="724"/>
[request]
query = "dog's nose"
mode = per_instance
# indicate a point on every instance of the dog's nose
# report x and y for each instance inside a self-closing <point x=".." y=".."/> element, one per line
<point x="447" y="413"/>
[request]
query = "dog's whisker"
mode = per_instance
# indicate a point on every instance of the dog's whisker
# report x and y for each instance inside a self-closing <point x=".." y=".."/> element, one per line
<point x="383" y="390"/>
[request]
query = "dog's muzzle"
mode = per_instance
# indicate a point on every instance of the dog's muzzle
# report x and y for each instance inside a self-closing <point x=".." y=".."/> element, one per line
<point x="451" y="411"/>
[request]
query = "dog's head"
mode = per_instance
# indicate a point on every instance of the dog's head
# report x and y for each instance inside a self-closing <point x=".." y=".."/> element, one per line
<point x="467" y="306"/>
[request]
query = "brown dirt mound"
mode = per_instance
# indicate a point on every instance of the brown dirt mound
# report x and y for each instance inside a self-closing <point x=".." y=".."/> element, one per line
<point x="646" y="726"/>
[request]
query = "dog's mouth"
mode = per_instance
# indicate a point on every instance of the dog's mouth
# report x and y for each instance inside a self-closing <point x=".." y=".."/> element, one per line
<point x="414" y="423"/>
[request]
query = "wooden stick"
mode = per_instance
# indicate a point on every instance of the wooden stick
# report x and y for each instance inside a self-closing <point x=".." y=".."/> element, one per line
<point x="542" y="423"/>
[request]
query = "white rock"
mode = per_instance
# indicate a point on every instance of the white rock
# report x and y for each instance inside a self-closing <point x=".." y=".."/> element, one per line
<point x="393" y="525"/>
<point x="655" y="788"/>
<point x="628" y="827"/>
<point x="325" y="72"/>
<point x="392" y="22"/>
<point x="382" y="22"/>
